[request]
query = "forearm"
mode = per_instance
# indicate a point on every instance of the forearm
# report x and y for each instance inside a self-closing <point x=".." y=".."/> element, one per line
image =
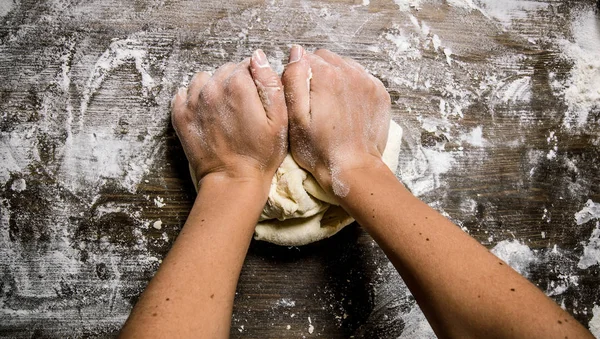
<point x="463" y="289"/>
<point x="192" y="293"/>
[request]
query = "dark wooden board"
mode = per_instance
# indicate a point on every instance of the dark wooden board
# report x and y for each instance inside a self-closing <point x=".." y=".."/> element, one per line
<point x="89" y="135"/>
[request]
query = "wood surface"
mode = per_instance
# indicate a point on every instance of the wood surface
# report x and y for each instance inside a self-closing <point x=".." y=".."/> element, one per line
<point x="77" y="250"/>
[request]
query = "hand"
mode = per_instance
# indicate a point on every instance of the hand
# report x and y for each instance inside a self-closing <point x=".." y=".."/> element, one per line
<point x="339" y="118"/>
<point x="235" y="122"/>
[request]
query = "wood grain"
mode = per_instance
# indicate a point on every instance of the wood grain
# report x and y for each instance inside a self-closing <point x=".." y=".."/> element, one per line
<point x="77" y="250"/>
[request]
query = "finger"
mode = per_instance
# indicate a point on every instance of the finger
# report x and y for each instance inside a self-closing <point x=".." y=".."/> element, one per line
<point x="353" y="63"/>
<point x="224" y="71"/>
<point x="330" y="57"/>
<point x="196" y="84"/>
<point x="324" y="75"/>
<point x="178" y="109"/>
<point x="269" y="87"/>
<point x="296" y="84"/>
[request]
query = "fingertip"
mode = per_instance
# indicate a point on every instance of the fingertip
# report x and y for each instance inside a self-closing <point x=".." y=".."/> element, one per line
<point x="180" y="96"/>
<point x="296" y="83"/>
<point x="259" y="59"/>
<point x="296" y="54"/>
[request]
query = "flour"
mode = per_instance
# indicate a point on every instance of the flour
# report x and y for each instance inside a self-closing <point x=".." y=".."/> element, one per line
<point x="518" y="90"/>
<point x="285" y="302"/>
<point x="475" y="137"/>
<point x="5" y="7"/>
<point x="406" y="5"/>
<point x="594" y="324"/>
<point x="423" y="172"/>
<point x="438" y="87"/>
<point x="416" y="325"/>
<point x="159" y="202"/>
<point x="591" y="250"/>
<point x="118" y="53"/>
<point x="124" y="157"/>
<point x="582" y="89"/>
<point x="17" y="151"/>
<point x="502" y="11"/>
<point x="590" y="211"/>
<point x="516" y="254"/>
<point x="19" y="185"/>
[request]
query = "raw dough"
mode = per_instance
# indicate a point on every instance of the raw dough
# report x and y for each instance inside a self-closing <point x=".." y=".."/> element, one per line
<point x="299" y="211"/>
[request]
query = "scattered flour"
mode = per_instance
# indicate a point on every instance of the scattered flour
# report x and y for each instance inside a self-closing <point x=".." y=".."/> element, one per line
<point x="590" y="211"/>
<point x="594" y="323"/>
<point x="284" y="302"/>
<point x="416" y="325"/>
<point x="159" y="202"/>
<point x="406" y="5"/>
<point x="311" y="327"/>
<point x="157" y="224"/>
<point x="591" y="250"/>
<point x="17" y="151"/>
<point x="119" y="53"/>
<point x="19" y="185"/>
<point x="503" y="11"/>
<point x="109" y="140"/>
<point x="508" y="10"/>
<point x="517" y="90"/>
<point x="516" y="254"/>
<point x="475" y="138"/>
<point x="423" y="172"/>
<point x="582" y="89"/>
<point x="5" y="7"/>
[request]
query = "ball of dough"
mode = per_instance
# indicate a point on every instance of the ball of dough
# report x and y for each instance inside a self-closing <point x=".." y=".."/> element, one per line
<point x="298" y="211"/>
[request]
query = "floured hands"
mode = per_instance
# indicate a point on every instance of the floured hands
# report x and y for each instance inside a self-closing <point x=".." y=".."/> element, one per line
<point x="233" y="123"/>
<point x="339" y="118"/>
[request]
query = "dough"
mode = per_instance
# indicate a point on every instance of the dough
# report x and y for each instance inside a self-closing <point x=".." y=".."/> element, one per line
<point x="298" y="211"/>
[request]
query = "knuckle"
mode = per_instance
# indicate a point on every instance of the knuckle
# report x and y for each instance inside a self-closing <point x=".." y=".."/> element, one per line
<point x="270" y="80"/>
<point x="323" y="51"/>
<point x="328" y="74"/>
<point x="238" y="82"/>
<point x="180" y="117"/>
<point x="227" y="65"/>
<point x="208" y="95"/>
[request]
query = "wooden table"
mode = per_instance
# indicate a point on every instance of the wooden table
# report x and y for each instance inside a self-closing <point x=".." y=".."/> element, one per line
<point x="90" y="163"/>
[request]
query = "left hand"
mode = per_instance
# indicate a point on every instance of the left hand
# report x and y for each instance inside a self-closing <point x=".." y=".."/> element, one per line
<point x="233" y="124"/>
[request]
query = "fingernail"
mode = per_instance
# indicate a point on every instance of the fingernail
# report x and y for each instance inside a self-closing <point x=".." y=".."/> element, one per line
<point x="180" y="92"/>
<point x="296" y="53"/>
<point x="260" y="58"/>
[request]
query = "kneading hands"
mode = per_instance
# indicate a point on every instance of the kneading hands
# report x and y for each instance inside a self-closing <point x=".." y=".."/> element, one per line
<point x="236" y="126"/>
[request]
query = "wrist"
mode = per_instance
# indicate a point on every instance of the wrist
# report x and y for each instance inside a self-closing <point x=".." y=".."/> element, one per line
<point x="336" y="178"/>
<point x="255" y="183"/>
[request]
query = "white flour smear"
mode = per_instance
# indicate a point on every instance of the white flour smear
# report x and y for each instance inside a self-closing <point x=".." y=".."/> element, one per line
<point x="124" y="157"/>
<point x="5" y="7"/>
<point x="594" y="324"/>
<point x="591" y="250"/>
<point x="405" y="5"/>
<point x="516" y="254"/>
<point x="582" y="89"/>
<point x="104" y="104"/>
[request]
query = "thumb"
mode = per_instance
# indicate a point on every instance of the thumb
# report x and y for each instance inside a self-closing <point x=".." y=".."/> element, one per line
<point x="269" y="87"/>
<point x="296" y="80"/>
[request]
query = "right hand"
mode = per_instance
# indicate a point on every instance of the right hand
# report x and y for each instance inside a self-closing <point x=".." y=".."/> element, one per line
<point x="338" y="120"/>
